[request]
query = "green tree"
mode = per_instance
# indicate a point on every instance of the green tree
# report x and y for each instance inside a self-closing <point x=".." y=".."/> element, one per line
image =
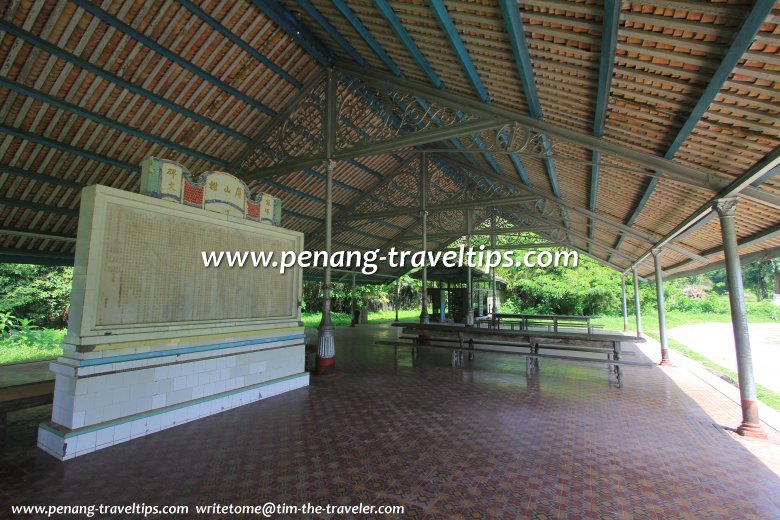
<point x="37" y="293"/>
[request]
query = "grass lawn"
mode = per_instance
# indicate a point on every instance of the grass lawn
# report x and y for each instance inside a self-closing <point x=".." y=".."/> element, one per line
<point x="42" y="344"/>
<point x="677" y="319"/>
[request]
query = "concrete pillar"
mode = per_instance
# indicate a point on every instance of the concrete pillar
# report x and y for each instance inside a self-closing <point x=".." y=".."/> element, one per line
<point x="326" y="348"/>
<point x="637" y="304"/>
<point x="659" y="293"/>
<point x="352" y="303"/>
<point x="625" y="301"/>
<point x="469" y="284"/>
<point x="424" y="318"/>
<point x="747" y="386"/>
<point x="441" y="304"/>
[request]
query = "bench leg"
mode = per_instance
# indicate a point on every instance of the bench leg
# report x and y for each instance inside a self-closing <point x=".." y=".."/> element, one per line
<point x="457" y="358"/>
<point x="471" y="349"/>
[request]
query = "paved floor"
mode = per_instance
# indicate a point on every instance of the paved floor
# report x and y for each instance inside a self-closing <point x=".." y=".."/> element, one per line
<point x="481" y="441"/>
<point x="716" y="341"/>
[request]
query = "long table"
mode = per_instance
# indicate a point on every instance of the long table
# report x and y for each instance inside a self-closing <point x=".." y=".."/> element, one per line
<point x="508" y="341"/>
<point x="554" y="319"/>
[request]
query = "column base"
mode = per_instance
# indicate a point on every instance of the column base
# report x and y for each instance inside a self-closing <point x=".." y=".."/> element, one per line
<point x="665" y="361"/>
<point x="325" y="366"/>
<point x="754" y="431"/>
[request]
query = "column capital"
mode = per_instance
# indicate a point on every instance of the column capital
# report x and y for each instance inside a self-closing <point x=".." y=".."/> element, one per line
<point x="329" y="163"/>
<point x="726" y="207"/>
<point x="657" y="252"/>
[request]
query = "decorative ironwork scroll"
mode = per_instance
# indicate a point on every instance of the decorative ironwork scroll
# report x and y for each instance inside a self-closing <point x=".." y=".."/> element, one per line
<point x="370" y="113"/>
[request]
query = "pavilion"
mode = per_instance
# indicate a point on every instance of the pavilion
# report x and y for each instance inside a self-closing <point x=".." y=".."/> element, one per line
<point x="643" y="134"/>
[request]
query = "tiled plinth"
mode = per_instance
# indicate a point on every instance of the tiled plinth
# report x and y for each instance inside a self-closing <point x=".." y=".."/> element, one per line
<point x="102" y="398"/>
<point x="66" y="444"/>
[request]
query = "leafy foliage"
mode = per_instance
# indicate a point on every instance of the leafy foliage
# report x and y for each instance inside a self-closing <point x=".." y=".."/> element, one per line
<point x="40" y="294"/>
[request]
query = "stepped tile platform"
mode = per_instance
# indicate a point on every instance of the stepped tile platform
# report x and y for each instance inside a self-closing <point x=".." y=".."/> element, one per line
<point x="473" y="442"/>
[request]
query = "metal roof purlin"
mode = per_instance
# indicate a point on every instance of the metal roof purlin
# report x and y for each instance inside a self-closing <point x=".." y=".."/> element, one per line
<point x="414" y="51"/>
<point x="769" y="163"/>
<point x="235" y="39"/>
<point x="359" y="28"/>
<point x="51" y="143"/>
<point x="365" y="34"/>
<point x="35" y="206"/>
<point x="618" y="225"/>
<point x="112" y="78"/>
<point x="74" y="109"/>
<point x="519" y="44"/>
<point x="296" y="30"/>
<point x="665" y="167"/>
<point x="448" y="27"/>
<point x="309" y="9"/>
<point x="175" y="58"/>
<point x="740" y="45"/>
<point x="34" y="176"/>
<point x="606" y="68"/>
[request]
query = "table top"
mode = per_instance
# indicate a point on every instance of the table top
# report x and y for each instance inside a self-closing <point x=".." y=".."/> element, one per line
<point x="455" y="329"/>
<point x="551" y="316"/>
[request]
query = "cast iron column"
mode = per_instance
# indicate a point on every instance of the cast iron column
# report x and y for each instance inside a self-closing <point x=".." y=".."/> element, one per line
<point x="659" y="292"/>
<point x="441" y="304"/>
<point x="352" y="303"/>
<point x="326" y="349"/>
<point x="747" y="386"/>
<point x="637" y="303"/>
<point x="625" y="302"/>
<point x="424" y="318"/>
<point x="493" y="273"/>
<point x="469" y="284"/>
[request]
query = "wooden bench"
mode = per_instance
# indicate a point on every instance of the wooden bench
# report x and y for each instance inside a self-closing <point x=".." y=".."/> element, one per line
<point x="468" y="337"/>
<point x="552" y="322"/>
<point x="597" y="350"/>
<point x="19" y="397"/>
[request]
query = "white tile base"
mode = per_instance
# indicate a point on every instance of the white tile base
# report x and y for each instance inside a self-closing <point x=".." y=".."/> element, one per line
<point x="75" y="443"/>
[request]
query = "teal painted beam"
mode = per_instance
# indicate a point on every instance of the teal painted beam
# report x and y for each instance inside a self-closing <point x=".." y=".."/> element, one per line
<point x="414" y="51"/>
<point x="361" y="29"/>
<point x="326" y="26"/>
<point x="297" y="31"/>
<point x="112" y="78"/>
<point x="451" y="32"/>
<point x="741" y="43"/>
<point x="168" y="54"/>
<point x="111" y="123"/>
<point x="230" y="35"/>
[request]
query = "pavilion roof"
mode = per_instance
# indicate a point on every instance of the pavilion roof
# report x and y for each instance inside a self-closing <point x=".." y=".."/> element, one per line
<point x="608" y="127"/>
